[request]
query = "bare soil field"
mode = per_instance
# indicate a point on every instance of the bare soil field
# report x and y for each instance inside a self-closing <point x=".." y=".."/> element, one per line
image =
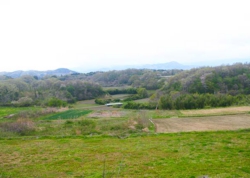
<point x="142" y="100"/>
<point x="108" y="114"/>
<point x="210" y="123"/>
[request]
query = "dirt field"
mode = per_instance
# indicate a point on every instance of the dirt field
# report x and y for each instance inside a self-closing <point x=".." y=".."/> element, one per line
<point x="230" y="122"/>
<point x="108" y="114"/>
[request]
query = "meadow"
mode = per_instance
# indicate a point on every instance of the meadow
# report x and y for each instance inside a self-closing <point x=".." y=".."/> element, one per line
<point x="214" y="154"/>
<point x="87" y="140"/>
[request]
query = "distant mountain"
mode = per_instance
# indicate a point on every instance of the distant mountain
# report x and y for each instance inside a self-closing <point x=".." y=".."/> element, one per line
<point x="39" y="74"/>
<point x="164" y="66"/>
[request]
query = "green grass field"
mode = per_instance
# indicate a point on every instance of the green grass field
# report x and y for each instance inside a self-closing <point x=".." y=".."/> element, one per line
<point x="216" y="154"/>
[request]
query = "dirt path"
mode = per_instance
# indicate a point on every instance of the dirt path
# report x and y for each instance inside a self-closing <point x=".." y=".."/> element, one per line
<point x="230" y="122"/>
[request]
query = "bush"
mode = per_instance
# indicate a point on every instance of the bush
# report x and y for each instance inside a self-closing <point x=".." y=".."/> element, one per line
<point x="134" y="105"/>
<point x="87" y="126"/>
<point x="122" y="91"/>
<point x="55" y="102"/>
<point x="21" y="126"/>
<point x="199" y="101"/>
<point x="22" y="102"/>
<point x="142" y="119"/>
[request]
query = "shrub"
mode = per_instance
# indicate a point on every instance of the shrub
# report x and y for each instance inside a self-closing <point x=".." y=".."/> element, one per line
<point x="21" y="126"/>
<point x="55" y="102"/>
<point x="133" y="105"/>
<point x="142" y="119"/>
<point x="22" y="102"/>
<point x="35" y="113"/>
<point x="87" y="126"/>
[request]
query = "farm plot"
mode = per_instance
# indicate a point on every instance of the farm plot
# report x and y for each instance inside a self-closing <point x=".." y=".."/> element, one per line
<point x="108" y="114"/>
<point x="216" y="111"/>
<point x="230" y="122"/>
<point x="69" y="114"/>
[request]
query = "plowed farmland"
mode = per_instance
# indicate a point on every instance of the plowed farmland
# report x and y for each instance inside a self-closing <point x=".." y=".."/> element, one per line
<point x="211" y="123"/>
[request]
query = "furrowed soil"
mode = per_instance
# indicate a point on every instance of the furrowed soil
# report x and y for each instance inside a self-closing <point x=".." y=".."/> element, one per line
<point x="211" y="123"/>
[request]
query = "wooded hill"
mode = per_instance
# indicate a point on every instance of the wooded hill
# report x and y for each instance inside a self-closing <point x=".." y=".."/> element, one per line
<point x="149" y="79"/>
<point x="174" y="89"/>
<point x="207" y="87"/>
<point x="231" y="79"/>
<point x="28" y="90"/>
<point x="58" y="90"/>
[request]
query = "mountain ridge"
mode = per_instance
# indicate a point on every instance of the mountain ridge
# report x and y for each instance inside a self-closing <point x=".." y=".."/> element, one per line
<point x="158" y="66"/>
<point x="39" y="74"/>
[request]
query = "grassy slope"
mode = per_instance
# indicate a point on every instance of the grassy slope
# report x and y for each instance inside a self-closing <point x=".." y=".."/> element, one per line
<point x="217" y="154"/>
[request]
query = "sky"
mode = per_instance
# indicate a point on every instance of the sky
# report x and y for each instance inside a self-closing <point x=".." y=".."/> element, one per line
<point x="85" y="35"/>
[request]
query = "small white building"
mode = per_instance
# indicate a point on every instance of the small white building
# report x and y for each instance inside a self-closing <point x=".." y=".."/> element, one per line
<point x="114" y="104"/>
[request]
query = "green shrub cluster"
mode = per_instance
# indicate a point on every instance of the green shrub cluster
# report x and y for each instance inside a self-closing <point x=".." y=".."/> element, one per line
<point x="55" y="102"/>
<point x="140" y="94"/>
<point x="134" y="105"/>
<point x="122" y="91"/>
<point x="105" y="101"/>
<point x="199" y="101"/>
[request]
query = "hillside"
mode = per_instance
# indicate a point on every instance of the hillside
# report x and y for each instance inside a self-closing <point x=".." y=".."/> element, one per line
<point x="207" y="87"/>
<point x="168" y="89"/>
<point x="230" y="79"/>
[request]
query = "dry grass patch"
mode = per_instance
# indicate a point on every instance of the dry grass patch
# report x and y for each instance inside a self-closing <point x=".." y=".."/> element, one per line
<point x="108" y="114"/>
<point x="230" y="122"/>
<point x="217" y="111"/>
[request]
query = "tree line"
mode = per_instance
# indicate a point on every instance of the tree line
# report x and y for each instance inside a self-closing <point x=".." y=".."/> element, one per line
<point x="144" y="78"/>
<point x="28" y="90"/>
<point x="207" y="87"/>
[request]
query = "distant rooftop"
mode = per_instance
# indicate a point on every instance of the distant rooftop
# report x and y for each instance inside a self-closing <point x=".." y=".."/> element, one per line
<point x="114" y="104"/>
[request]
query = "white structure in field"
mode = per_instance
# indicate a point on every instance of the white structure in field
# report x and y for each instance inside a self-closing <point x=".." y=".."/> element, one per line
<point x="114" y="104"/>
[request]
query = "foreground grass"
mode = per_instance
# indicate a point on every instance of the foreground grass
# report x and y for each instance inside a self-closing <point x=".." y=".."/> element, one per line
<point x="216" y="154"/>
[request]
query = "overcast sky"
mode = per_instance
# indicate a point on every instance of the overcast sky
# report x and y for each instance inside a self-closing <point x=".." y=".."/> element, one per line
<point x="48" y="34"/>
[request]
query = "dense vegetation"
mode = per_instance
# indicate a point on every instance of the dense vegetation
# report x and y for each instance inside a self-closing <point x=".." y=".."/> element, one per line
<point x="30" y="90"/>
<point x="149" y="79"/>
<point x="51" y="91"/>
<point x="231" y="79"/>
<point x="197" y="88"/>
<point x="207" y="87"/>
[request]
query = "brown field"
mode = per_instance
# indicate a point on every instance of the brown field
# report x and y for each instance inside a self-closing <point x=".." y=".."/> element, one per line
<point x="142" y="100"/>
<point x="108" y="114"/>
<point x="217" y="111"/>
<point x="211" y="123"/>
